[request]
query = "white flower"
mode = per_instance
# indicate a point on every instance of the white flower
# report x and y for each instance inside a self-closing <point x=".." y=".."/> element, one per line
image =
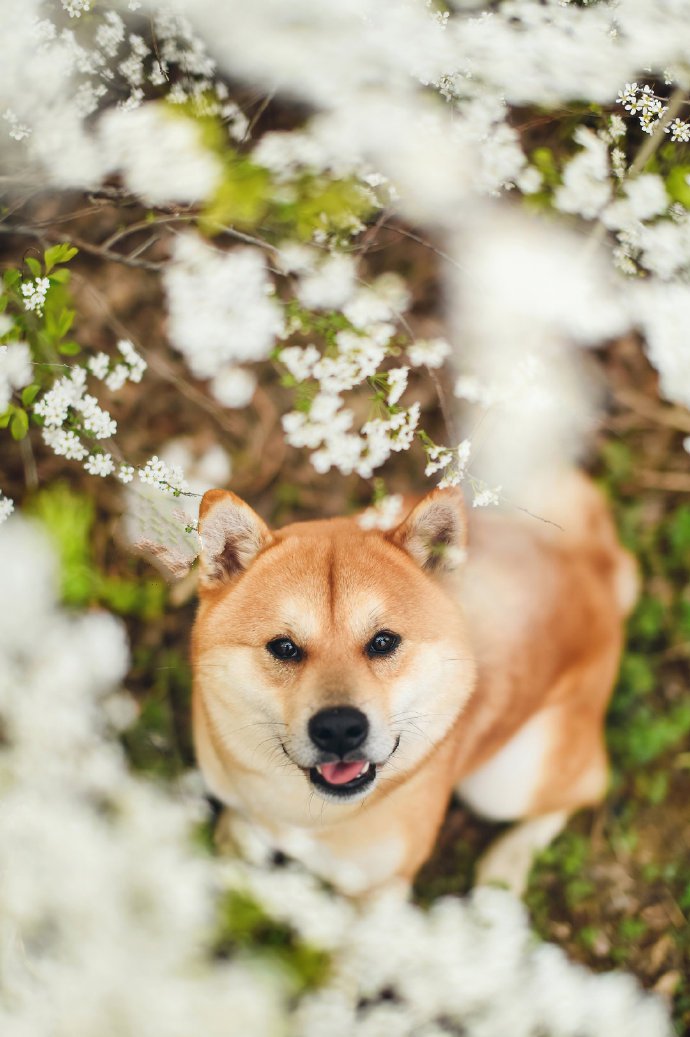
<point x="234" y="386"/>
<point x="220" y="312"/>
<point x="679" y="130"/>
<point x="134" y="361"/>
<point x="64" y="444"/>
<point x="116" y="378"/>
<point x="385" y="514"/>
<point x="300" y="361"/>
<point x="15" y="370"/>
<point x="6" y="507"/>
<point x="428" y="352"/>
<point x="166" y="477"/>
<point x="99" y="464"/>
<point x="159" y="152"/>
<point x="330" y="285"/>
<point x="125" y="473"/>
<point x="586" y="186"/>
<point x="397" y="383"/>
<point x="95" y="419"/>
<point x="34" y="293"/>
<point x="75" y="8"/>
<point x="99" y="365"/>
<point x="484" y="496"/>
<point x="628" y="96"/>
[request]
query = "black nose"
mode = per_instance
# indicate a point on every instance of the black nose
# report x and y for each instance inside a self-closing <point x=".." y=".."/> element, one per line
<point x="338" y="730"/>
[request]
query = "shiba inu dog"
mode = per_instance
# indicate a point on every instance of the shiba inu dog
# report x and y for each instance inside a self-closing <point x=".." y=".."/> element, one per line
<point x="347" y="681"/>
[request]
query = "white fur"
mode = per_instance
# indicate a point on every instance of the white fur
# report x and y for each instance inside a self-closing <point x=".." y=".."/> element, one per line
<point x="508" y="861"/>
<point x="503" y="788"/>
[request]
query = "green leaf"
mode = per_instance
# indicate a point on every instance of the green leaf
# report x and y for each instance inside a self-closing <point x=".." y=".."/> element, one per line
<point x="64" y="322"/>
<point x="19" y="424"/>
<point x="61" y="253"/>
<point x="34" y="266"/>
<point x="29" y="394"/>
<point x="60" y="276"/>
<point x="10" y="277"/>
<point x="677" y="185"/>
<point x="5" y="418"/>
<point x="69" y="348"/>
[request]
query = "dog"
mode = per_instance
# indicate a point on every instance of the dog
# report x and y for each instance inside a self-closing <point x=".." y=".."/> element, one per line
<point x="347" y="681"/>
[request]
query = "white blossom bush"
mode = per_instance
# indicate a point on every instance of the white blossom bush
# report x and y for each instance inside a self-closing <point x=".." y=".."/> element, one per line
<point x="108" y="913"/>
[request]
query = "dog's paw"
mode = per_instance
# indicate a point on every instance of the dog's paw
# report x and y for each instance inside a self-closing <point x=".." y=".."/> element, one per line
<point x="509" y="859"/>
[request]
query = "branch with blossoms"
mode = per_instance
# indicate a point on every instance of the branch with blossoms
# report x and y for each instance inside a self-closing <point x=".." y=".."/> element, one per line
<point x="296" y="205"/>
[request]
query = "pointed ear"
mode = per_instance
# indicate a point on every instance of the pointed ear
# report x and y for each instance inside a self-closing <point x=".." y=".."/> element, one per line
<point x="231" y="537"/>
<point x="434" y="534"/>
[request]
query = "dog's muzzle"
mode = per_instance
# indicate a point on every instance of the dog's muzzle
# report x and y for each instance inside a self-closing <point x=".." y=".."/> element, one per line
<point x="339" y="733"/>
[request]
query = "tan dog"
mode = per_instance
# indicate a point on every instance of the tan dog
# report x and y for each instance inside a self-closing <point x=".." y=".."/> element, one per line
<point x="347" y="681"/>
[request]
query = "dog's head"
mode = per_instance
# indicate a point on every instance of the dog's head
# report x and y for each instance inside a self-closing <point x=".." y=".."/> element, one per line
<point x="326" y="649"/>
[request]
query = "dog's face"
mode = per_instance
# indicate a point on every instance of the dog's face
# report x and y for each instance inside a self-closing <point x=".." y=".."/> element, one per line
<point x="327" y="651"/>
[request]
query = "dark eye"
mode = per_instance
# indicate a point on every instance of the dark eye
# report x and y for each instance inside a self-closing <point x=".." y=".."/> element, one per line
<point x="284" y="649"/>
<point x="382" y="643"/>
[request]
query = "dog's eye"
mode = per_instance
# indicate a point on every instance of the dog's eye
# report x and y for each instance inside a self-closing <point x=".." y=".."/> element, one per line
<point x="284" y="649"/>
<point x="382" y="643"/>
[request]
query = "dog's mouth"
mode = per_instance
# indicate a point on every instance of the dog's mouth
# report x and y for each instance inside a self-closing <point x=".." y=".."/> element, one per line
<point x="342" y="779"/>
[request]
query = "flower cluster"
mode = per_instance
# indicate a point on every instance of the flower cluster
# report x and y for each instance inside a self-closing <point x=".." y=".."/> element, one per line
<point x="130" y="369"/>
<point x="221" y="312"/>
<point x="34" y="293"/>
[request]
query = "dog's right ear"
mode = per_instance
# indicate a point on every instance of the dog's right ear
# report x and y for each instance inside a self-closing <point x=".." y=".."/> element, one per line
<point x="231" y="537"/>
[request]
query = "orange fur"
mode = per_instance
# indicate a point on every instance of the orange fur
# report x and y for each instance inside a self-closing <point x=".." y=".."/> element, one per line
<point x="530" y="626"/>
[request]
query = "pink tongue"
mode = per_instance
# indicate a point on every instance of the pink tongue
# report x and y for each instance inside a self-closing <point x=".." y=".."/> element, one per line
<point x="339" y="773"/>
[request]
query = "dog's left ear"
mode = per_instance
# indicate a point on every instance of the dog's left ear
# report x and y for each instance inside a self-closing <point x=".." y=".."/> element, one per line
<point x="231" y="537"/>
<point x="434" y="534"/>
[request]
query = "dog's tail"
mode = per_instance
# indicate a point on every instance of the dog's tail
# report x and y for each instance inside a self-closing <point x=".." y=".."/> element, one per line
<point x="582" y="519"/>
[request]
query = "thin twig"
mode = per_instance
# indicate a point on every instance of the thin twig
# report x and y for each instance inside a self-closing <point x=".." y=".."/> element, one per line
<point x="427" y="244"/>
<point x="29" y="462"/>
<point x="257" y="115"/>
<point x="132" y="228"/>
<point x="84" y="246"/>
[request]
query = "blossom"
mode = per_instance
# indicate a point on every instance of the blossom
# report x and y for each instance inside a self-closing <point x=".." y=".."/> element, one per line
<point x="134" y="361"/>
<point x="397" y="383"/>
<point x="99" y="464"/>
<point x="15" y="370"/>
<point x="220" y="312"/>
<point x="329" y="285"/>
<point x="34" y="293"/>
<point x="6" y="507"/>
<point x="99" y="365"/>
<point x="384" y="514"/>
<point x="586" y="185"/>
<point x="234" y="386"/>
<point x="679" y="130"/>
<point x="485" y="495"/>
<point x="178" y="169"/>
<point x="166" y="477"/>
<point x="428" y="352"/>
<point x="64" y="443"/>
<point x="299" y="361"/>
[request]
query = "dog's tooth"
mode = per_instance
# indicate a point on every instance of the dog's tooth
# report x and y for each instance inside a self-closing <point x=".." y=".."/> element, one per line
<point x="365" y="768"/>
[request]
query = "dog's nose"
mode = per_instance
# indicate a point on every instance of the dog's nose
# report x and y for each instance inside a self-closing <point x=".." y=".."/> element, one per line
<point x="338" y="730"/>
